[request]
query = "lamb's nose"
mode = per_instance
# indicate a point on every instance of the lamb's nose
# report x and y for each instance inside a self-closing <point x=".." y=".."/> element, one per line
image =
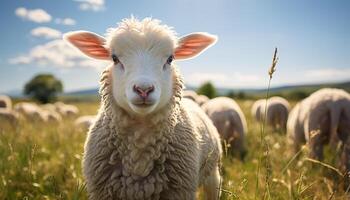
<point x="143" y="91"/>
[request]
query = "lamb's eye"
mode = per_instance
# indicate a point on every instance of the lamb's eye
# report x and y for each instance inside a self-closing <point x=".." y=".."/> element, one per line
<point x="115" y="59"/>
<point x="170" y="59"/>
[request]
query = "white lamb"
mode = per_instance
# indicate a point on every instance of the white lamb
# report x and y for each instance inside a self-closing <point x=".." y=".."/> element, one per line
<point x="66" y="110"/>
<point x="146" y="142"/>
<point x="190" y="94"/>
<point x="31" y="111"/>
<point x="276" y="114"/>
<point x="202" y="99"/>
<point x="256" y="109"/>
<point x="230" y="122"/>
<point x="320" y="118"/>
<point x="5" y="102"/>
<point x="85" y="121"/>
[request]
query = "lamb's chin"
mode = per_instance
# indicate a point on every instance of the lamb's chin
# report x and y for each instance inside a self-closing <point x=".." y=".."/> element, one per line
<point x="143" y="109"/>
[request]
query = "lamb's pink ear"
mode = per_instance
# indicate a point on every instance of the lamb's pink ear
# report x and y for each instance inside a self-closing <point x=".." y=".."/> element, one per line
<point x="193" y="44"/>
<point x="89" y="43"/>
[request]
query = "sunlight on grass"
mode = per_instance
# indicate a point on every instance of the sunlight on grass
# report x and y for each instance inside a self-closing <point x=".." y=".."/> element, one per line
<point x="43" y="161"/>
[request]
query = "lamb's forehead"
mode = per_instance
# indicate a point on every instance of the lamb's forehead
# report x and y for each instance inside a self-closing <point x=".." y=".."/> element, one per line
<point x="133" y="35"/>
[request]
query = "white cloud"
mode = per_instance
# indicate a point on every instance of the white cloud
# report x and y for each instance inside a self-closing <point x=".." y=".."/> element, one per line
<point x="65" y="21"/>
<point x="57" y="53"/>
<point x="94" y="5"/>
<point x="329" y="73"/>
<point x="46" y="32"/>
<point x="36" y="15"/>
<point x="20" y="60"/>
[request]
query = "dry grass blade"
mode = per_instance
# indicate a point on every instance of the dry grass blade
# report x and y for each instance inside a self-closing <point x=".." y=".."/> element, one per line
<point x="274" y="63"/>
<point x="325" y="165"/>
<point x="263" y="142"/>
<point x="292" y="159"/>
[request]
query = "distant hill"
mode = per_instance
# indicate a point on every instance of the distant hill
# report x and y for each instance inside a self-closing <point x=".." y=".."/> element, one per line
<point x="222" y="91"/>
<point x="289" y="91"/>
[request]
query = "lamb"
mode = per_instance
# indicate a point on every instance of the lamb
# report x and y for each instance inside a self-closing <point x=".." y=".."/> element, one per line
<point x="85" y="121"/>
<point x="9" y="116"/>
<point x="202" y="99"/>
<point x="276" y="114"/>
<point x="147" y="142"/>
<point x="256" y="109"/>
<point x="295" y="128"/>
<point x="31" y="111"/>
<point x="230" y="122"/>
<point x="51" y="115"/>
<point x="190" y="94"/>
<point x="323" y="117"/>
<point x="5" y="102"/>
<point x="66" y="109"/>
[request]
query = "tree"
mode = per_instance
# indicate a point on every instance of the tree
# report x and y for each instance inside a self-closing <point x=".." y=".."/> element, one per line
<point x="207" y="89"/>
<point x="241" y="95"/>
<point x="231" y="94"/>
<point x="43" y="87"/>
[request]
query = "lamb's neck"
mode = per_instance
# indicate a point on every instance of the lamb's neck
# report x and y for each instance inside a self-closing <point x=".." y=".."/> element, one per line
<point x="141" y="143"/>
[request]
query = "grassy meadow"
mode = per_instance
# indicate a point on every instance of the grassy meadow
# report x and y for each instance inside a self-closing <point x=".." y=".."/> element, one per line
<point x="43" y="161"/>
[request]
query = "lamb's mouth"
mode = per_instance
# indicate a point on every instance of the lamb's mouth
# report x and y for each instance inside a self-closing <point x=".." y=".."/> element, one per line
<point x="143" y="104"/>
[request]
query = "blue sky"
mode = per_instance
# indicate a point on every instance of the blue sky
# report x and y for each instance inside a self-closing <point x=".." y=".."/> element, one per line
<point x="313" y="38"/>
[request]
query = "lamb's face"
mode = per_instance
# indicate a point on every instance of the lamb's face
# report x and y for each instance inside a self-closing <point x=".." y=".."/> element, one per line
<point x="142" y="71"/>
<point x="142" y="54"/>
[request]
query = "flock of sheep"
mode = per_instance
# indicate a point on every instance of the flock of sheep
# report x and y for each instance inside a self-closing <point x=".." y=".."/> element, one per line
<point x="322" y="118"/>
<point x="147" y="142"/>
<point x="47" y="113"/>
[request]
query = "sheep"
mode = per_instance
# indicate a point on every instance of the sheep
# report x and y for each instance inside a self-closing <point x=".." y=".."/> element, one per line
<point x="66" y="109"/>
<point x="256" y="109"/>
<point x="50" y="113"/>
<point x="85" y="121"/>
<point x="276" y="114"/>
<point x="295" y="129"/>
<point x="229" y="120"/>
<point x="321" y="118"/>
<point x="199" y="99"/>
<point x="147" y="142"/>
<point x="5" y="102"/>
<point x="31" y="111"/>
<point x="190" y="94"/>
<point x="9" y="116"/>
<point x="202" y="99"/>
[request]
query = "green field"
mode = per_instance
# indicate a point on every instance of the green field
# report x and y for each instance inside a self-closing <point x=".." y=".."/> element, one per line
<point x="43" y="161"/>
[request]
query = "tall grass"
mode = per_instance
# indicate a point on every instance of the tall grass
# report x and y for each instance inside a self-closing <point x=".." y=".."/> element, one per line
<point x="264" y="149"/>
<point x="43" y="161"/>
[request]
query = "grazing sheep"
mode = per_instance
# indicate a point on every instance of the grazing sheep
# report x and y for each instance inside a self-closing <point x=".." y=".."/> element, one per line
<point x="322" y="117"/>
<point x="9" y="116"/>
<point x="85" y="122"/>
<point x="202" y="99"/>
<point x="52" y="116"/>
<point x="31" y="111"/>
<point x="66" y="109"/>
<point x="190" y="94"/>
<point x="256" y="109"/>
<point x="146" y="142"/>
<point x="277" y="113"/>
<point x="50" y="113"/>
<point x="229" y="120"/>
<point x="49" y="107"/>
<point x="295" y="127"/>
<point x="5" y="102"/>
